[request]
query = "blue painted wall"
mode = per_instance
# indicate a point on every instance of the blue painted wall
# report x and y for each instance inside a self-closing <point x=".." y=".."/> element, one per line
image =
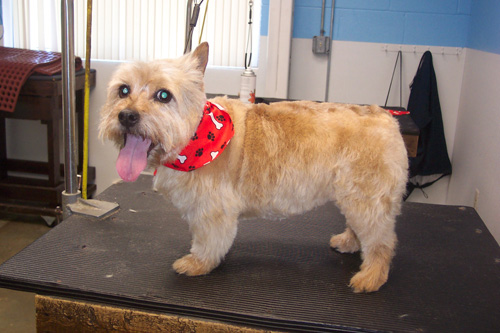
<point x="419" y="22"/>
<point x="457" y="23"/>
<point x="484" y="33"/>
<point x="264" y="23"/>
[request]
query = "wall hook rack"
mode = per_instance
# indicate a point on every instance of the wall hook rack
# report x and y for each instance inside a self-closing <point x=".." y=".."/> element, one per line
<point x="419" y="49"/>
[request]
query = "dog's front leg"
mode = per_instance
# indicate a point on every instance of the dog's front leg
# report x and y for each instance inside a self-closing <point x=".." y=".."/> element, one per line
<point x="213" y="236"/>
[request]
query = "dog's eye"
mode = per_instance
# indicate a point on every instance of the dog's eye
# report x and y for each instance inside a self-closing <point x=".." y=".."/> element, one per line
<point x="163" y="96"/>
<point x="123" y="91"/>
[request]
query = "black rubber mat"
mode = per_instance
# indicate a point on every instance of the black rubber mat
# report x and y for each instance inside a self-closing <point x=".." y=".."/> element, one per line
<point x="278" y="275"/>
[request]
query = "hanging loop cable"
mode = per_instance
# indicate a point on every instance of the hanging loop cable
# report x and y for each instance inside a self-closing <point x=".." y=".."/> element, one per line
<point x="192" y="25"/>
<point x="248" y="50"/>
<point x="400" y="58"/>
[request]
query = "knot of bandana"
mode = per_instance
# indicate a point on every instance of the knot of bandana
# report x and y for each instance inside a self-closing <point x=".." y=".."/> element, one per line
<point x="211" y="138"/>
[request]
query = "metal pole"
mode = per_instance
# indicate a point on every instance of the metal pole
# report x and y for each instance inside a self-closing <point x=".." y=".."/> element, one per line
<point x="71" y="194"/>
<point x="322" y="30"/>
<point x="329" y="65"/>
<point x="187" y="40"/>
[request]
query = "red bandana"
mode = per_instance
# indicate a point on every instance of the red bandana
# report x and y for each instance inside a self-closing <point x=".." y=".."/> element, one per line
<point x="212" y="136"/>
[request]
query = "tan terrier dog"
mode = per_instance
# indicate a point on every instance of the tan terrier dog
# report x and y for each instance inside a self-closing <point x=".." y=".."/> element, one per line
<point x="219" y="159"/>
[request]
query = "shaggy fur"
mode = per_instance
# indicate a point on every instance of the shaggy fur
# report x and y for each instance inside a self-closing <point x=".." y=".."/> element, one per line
<point x="284" y="159"/>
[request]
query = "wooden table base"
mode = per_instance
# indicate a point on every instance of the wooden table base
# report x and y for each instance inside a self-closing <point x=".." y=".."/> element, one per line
<point x="62" y="315"/>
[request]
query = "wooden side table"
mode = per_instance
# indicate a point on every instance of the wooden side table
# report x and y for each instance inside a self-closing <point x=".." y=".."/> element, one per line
<point x="41" y="99"/>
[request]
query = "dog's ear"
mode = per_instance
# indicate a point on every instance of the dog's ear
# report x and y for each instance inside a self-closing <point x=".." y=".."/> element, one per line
<point x="201" y="56"/>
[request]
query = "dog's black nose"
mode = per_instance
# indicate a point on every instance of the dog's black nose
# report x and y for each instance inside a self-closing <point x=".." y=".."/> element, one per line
<point x="128" y="118"/>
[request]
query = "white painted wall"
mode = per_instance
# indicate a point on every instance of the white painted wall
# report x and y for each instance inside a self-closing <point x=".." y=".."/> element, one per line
<point x="102" y="155"/>
<point x="476" y="154"/>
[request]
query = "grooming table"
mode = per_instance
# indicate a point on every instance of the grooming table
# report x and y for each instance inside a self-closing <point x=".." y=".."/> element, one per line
<point x="40" y="98"/>
<point x="115" y="273"/>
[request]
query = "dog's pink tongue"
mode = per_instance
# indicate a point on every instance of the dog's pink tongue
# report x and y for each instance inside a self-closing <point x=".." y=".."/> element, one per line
<point x="133" y="158"/>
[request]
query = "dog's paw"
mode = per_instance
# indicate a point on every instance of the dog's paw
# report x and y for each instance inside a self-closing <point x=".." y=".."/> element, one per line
<point x="345" y="243"/>
<point x="367" y="281"/>
<point x="191" y="266"/>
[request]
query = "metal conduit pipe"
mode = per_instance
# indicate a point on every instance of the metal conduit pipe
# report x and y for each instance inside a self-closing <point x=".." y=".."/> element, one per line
<point x="329" y="65"/>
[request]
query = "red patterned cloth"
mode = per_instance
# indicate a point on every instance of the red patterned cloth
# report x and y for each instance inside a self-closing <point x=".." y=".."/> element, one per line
<point x="398" y="113"/>
<point x="211" y="138"/>
<point x="16" y="65"/>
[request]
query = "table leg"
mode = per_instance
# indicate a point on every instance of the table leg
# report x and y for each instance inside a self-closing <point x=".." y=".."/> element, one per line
<point x="53" y="150"/>
<point x="3" y="149"/>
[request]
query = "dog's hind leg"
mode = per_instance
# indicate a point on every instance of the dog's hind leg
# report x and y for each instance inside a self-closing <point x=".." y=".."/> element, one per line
<point x="374" y="269"/>
<point x="212" y="239"/>
<point x="374" y="228"/>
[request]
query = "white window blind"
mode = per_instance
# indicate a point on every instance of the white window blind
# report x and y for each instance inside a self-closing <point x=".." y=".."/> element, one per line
<point x="136" y="29"/>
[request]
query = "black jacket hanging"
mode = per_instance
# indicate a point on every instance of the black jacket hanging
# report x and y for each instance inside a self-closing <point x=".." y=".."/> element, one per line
<point x="425" y="110"/>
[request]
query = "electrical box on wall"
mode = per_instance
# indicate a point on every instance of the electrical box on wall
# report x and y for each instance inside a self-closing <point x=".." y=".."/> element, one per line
<point x="321" y="44"/>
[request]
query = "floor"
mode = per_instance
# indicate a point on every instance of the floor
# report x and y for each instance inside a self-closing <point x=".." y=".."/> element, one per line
<point x="17" y="309"/>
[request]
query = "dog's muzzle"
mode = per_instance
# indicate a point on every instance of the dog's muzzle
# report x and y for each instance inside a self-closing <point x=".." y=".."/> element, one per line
<point x="129" y="118"/>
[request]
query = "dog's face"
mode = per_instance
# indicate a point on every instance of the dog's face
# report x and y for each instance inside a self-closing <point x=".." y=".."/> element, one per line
<point x="153" y="109"/>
